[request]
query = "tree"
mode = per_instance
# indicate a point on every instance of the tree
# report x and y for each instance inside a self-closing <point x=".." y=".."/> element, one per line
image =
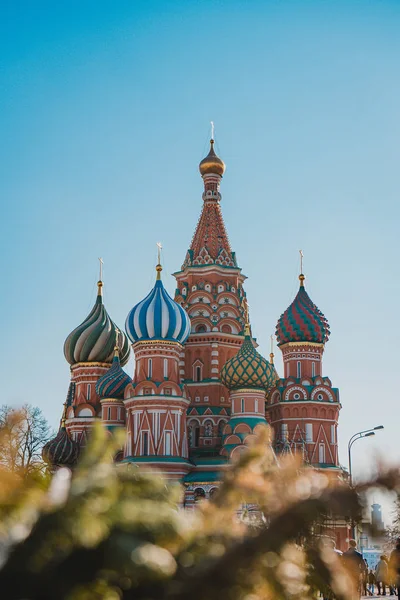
<point x="23" y="433"/>
<point x="393" y="531"/>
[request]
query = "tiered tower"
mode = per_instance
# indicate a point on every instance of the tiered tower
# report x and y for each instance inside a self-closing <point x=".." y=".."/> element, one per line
<point x="209" y="286"/>
<point x="155" y="401"/>
<point x="303" y="407"/>
<point x="89" y="349"/>
<point x="110" y="388"/>
<point x="248" y="376"/>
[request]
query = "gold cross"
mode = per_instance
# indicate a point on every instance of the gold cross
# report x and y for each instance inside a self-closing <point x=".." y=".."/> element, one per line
<point x="101" y="269"/>
<point x="159" y="247"/>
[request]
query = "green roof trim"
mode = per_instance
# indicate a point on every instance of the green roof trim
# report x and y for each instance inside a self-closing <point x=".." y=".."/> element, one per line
<point x="156" y="459"/>
<point x="252" y="421"/>
<point x="217" y="460"/>
<point x="203" y="477"/>
<point x="215" y="410"/>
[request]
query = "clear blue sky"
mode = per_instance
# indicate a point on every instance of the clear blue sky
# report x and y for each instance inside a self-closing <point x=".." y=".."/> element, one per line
<point x="105" y="110"/>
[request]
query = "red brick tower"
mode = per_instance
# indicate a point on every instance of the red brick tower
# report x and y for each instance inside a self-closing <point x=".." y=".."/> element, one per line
<point x="89" y="349"/>
<point x="209" y="286"/>
<point x="303" y="407"/>
<point x="155" y="401"/>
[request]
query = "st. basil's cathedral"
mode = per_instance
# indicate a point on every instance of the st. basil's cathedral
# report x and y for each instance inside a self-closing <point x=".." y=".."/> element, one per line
<point x="200" y="389"/>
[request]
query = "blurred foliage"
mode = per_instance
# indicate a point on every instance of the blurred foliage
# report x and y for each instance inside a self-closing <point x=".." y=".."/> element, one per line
<point x="114" y="532"/>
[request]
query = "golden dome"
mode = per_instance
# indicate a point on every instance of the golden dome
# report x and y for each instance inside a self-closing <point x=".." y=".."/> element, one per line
<point x="212" y="163"/>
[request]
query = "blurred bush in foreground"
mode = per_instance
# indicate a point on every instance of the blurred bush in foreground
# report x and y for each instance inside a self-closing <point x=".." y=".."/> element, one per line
<point x="115" y="533"/>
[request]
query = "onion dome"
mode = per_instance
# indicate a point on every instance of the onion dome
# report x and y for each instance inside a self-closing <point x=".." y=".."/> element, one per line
<point x="61" y="450"/>
<point x="113" y="383"/>
<point x="302" y="321"/>
<point x="212" y="163"/>
<point x="95" y="338"/>
<point x="158" y="317"/>
<point x="248" y="369"/>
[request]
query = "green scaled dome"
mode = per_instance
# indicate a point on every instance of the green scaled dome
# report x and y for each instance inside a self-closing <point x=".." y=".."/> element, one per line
<point x="248" y="369"/>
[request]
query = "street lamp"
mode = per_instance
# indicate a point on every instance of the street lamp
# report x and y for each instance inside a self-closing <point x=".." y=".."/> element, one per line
<point x="358" y="436"/>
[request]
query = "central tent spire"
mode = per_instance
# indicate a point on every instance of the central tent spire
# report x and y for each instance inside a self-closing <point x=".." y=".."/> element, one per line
<point x="210" y="243"/>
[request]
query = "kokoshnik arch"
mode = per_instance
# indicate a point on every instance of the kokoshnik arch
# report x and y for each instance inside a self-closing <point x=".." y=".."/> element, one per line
<point x="200" y="388"/>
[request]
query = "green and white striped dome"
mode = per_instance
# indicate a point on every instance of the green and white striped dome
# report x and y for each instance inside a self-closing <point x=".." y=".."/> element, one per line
<point x="94" y="339"/>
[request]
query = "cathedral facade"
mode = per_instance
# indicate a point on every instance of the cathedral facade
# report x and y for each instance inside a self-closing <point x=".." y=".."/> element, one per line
<point x="200" y="389"/>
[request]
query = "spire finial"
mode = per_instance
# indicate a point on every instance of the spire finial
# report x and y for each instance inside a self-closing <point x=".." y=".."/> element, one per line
<point x="212" y="131"/>
<point x="301" y="276"/>
<point x="64" y="415"/>
<point x="245" y="306"/>
<point x="100" y="281"/>
<point x="271" y="356"/>
<point x="116" y="348"/>
<point x="159" y="267"/>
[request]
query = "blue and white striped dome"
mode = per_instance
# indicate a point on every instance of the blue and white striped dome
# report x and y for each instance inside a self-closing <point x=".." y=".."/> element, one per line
<point x="158" y="317"/>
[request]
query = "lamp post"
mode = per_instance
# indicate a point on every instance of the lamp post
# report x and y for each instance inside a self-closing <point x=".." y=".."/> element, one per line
<point x="354" y="438"/>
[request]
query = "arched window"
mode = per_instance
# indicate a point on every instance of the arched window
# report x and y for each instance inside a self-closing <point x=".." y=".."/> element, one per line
<point x="197" y="371"/>
<point x="226" y="329"/>
<point x="221" y="426"/>
<point x="145" y="443"/>
<point x="208" y="429"/>
<point x="242" y="405"/>
<point x="201" y="328"/>
<point x="212" y="492"/>
<point x="150" y="367"/>
<point x="167" y="443"/>
<point x="321" y="453"/>
<point x="194" y="435"/>
<point x="199" y="494"/>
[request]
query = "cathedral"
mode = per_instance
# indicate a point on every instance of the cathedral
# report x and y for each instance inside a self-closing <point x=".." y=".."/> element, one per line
<point x="200" y="389"/>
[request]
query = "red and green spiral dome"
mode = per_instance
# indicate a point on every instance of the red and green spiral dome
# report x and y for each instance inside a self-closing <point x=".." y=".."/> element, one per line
<point x="302" y="321"/>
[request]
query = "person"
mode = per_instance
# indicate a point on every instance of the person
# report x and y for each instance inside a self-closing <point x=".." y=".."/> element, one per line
<point x="394" y="567"/>
<point x="389" y="581"/>
<point x="381" y="575"/>
<point x="355" y="565"/>
<point x="364" y="583"/>
<point x="327" y="593"/>
<point x="371" y="582"/>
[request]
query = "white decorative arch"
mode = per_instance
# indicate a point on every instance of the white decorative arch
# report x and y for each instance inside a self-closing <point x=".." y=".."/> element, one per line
<point x="295" y="388"/>
<point x="276" y="396"/>
<point x="323" y="390"/>
<point x="85" y="412"/>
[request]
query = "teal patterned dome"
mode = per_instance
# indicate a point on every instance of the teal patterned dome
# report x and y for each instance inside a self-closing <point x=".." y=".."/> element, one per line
<point x="248" y="369"/>
<point x="95" y="338"/>
<point x="302" y="321"/>
<point x="113" y="383"/>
